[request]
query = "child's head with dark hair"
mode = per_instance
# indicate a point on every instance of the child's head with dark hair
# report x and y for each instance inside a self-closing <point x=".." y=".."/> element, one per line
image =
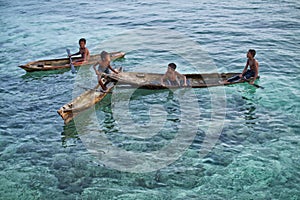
<point x="105" y="56"/>
<point x="172" y="65"/>
<point x="252" y="52"/>
<point x="82" y="40"/>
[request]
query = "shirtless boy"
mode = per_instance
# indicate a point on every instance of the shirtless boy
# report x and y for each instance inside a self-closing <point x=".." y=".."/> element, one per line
<point x="83" y="51"/>
<point x="104" y="66"/>
<point x="247" y="73"/>
<point x="173" y="76"/>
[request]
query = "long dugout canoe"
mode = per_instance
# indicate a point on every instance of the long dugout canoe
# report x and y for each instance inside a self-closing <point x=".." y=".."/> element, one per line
<point x="85" y="101"/>
<point x="153" y="80"/>
<point x="64" y="63"/>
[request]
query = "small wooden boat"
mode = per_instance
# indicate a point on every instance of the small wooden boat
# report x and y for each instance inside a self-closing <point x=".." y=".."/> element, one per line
<point x="85" y="101"/>
<point x="153" y="80"/>
<point x="64" y="63"/>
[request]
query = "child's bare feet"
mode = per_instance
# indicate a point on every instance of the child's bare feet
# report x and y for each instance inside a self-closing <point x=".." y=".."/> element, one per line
<point x="223" y="82"/>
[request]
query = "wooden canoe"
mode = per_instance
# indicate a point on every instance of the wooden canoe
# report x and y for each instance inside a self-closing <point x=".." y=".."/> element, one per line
<point x="152" y="80"/>
<point x="85" y="101"/>
<point x="64" y="63"/>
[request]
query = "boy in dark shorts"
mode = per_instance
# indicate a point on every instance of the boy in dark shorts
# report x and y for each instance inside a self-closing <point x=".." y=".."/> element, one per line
<point x="247" y="73"/>
<point x="83" y="51"/>
<point x="104" y="67"/>
<point x="172" y="76"/>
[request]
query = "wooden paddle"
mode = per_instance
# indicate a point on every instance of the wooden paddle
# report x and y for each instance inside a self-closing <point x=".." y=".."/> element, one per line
<point x="71" y="63"/>
<point x="258" y="86"/>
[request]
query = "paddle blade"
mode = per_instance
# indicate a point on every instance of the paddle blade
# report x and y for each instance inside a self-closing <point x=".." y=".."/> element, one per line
<point x="73" y="68"/>
<point x="68" y="51"/>
<point x="71" y="63"/>
<point x="258" y="86"/>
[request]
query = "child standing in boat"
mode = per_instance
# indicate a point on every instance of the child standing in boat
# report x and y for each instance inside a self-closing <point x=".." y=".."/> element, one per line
<point x="247" y="73"/>
<point x="104" y="67"/>
<point x="83" y="51"/>
<point x="172" y="76"/>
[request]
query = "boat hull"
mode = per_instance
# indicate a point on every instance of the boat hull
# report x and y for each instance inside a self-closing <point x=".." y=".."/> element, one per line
<point x="64" y="63"/>
<point x="85" y="101"/>
<point x="153" y="80"/>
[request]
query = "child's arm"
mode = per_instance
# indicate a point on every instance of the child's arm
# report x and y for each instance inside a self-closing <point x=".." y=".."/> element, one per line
<point x="94" y="66"/>
<point x="256" y="69"/>
<point x="86" y="55"/>
<point x="162" y="79"/>
<point x="182" y="77"/>
<point x="246" y="67"/>
<point x="112" y="69"/>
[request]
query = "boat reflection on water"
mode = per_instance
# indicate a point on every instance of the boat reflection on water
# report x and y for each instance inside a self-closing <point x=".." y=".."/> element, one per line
<point x="249" y="108"/>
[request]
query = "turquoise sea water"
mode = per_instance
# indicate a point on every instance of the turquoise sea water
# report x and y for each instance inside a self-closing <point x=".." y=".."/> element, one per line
<point x="256" y="155"/>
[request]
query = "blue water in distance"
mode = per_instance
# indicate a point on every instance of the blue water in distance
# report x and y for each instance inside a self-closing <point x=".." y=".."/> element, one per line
<point x="257" y="154"/>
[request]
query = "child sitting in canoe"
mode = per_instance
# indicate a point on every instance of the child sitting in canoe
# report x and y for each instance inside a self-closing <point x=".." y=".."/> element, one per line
<point x="247" y="73"/>
<point x="83" y="51"/>
<point x="104" y="67"/>
<point x="173" y="77"/>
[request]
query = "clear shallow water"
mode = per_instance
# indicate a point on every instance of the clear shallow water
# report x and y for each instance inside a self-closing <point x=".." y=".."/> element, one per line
<point x="257" y="154"/>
